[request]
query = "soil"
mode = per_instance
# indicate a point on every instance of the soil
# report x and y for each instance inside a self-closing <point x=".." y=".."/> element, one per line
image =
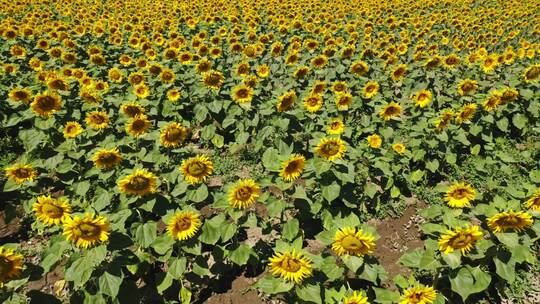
<point x="239" y="293"/>
<point x="9" y="227"/>
<point x="398" y="236"/>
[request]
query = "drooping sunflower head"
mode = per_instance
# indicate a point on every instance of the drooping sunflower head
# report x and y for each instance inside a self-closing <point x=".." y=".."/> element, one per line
<point x="371" y="89"/>
<point x="20" y="95"/>
<point x="173" y="135"/>
<point x="423" y="98"/>
<point x="343" y="101"/>
<point x="97" y="120"/>
<point x="510" y="220"/>
<point x="243" y="194"/>
<point x="11" y="265"/>
<point x="336" y="126"/>
<point x="356" y="298"/>
<point x="72" y="129"/>
<point x="132" y="109"/>
<point x="138" y="125"/>
<point x="466" y="113"/>
<point x="87" y="231"/>
<point x="286" y="101"/>
<point x="462" y="239"/>
<point x="183" y="225"/>
<point x="313" y="103"/>
<point x="390" y="111"/>
<point x="45" y="104"/>
<point x="141" y="182"/>
<point x="331" y="148"/>
<point x="107" y="158"/>
<point x="533" y="203"/>
<point x="291" y="266"/>
<point x="350" y="241"/>
<point x="399" y="148"/>
<point x="20" y="173"/>
<point x="197" y="169"/>
<point x="460" y="195"/>
<point x="374" y="141"/>
<point x="213" y="79"/>
<point x="292" y="168"/>
<point x="242" y="93"/>
<point x="51" y="211"/>
<point x="467" y="87"/>
<point x="419" y="294"/>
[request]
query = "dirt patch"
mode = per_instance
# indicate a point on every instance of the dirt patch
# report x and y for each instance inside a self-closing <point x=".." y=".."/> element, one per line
<point x="239" y="293"/>
<point x="9" y="227"/>
<point x="398" y="235"/>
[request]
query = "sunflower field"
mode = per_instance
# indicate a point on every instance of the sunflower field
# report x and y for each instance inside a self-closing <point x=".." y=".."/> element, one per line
<point x="270" y="151"/>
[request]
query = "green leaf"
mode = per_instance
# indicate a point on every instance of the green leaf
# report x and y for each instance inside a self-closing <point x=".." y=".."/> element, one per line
<point x="177" y="266"/>
<point x="81" y="188"/>
<point x="469" y="281"/>
<point x="432" y="165"/>
<point x="109" y="284"/>
<point x="511" y="240"/>
<point x="519" y="120"/>
<point x="145" y="234"/>
<point x="53" y="254"/>
<point x="428" y="261"/>
<point x="331" y="192"/>
<point x="200" y="194"/>
<point x="185" y="295"/>
<point x="80" y="270"/>
<point x="331" y="269"/>
<point x="453" y="259"/>
<point x="370" y="189"/>
<point x="385" y="296"/>
<point x="502" y="124"/>
<point x="505" y="270"/>
<point x="240" y="255"/>
<point x="309" y="293"/>
<point x="164" y="281"/>
<point x="417" y="175"/>
<point x="352" y="262"/>
<point x="228" y="231"/>
<point x="290" y="229"/>
<point x="271" y="285"/>
<point x="210" y="233"/>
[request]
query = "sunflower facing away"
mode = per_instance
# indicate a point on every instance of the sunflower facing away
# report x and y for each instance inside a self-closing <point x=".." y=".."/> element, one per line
<point x="72" y="129"/>
<point x="107" y="158"/>
<point x="87" y="231"/>
<point x="352" y="242"/>
<point x="462" y="239"/>
<point x="356" y="298"/>
<point x="510" y="220"/>
<point x="291" y="266"/>
<point x="244" y="193"/>
<point x="442" y="122"/>
<point x="138" y="125"/>
<point x="173" y="135"/>
<point x="20" y="173"/>
<point x="97" y="120"/>
<point x="51" y="211"/>
<point x="140" y="182"/>
<point x="533" y="202"/>
<point x="183" y="225"/>
<point x="460" y="195"/>
<point x="331" y="148"/>
<point x="374" y="141"/>
<point x="390" y="111"/>
<point x="45" y="104"/>
<point x="196" y="169"/>
<point x="419" y="294"/>
<point x="292" y="168"/>
<point x="11" y="265"/>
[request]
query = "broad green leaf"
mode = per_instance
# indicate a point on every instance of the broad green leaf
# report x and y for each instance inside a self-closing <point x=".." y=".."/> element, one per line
<point x="109" y="284"/>
<point x="271" y="285"/>
<point x="240" y="255"/>
<point x="309" y="293"/>
<point x="146" y="234"/>
<point x="290" y="229"/>
<point x="331" y="192"/>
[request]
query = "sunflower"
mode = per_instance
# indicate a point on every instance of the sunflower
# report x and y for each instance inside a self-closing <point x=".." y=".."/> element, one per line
<point x="444" y="120"/>
<point x="466" y="113"/>
<point x="389" y="111"/>
<point x="423" y="98"/>
<point x="72" y="129"/>
<point x="263" y="71"/>
<point x="138" y="125"/>
<point x="87" y="231"/>
<point x="510" y="220"/>
<point x="460" y="195"/>
<point x="451" y="61"/>
<point x="242" y="94"/>
<point x="291" y="266"/>
<point x="374" y="141"/>
<point x="286" y="101"/>
<point x="331" y="148"/>
<point x="136" y="78"/>
<point x="509" y="95"/>
<point x="58" y="84"/>
<point x="336" y="126"/>
<point x="419" y="294"/>
<point x="173" y="135"/>
<point x="12" y="265"/>
<point x="46" y="103"/>
<point x="107" y="158"/>
<point x="141" y="90"/>
<point x="292" y="168"/>
<point x="183" y="225"/>
<point x="318" y="88"/>
<point x="244" y="193"/>
<point x="339" y="87"/>
<point x="356" y="298"/>
<point x="97" y="120"/>
<point x="213" y="79"/>
<point x="533" y="202"/>
<point x="115" y="75"/>
<point x="370" y="89"/>
<point x="301" y="72"/>
<point x="490" y="63"/>
<point x="467" y="87"/>
<point x="20" y="173"/>
<point x="173" y="95"/>
<point x="462" y="239"/>
<point x="350" y="241"/>
<point x="399" y="72"/>
<point x="51" y="211"/>
<point x="313" y="103"/>
<point x="492" y="101"/>
<point x="196" y="169"/>
<point x="319" y="61"/>
<point x="343" y="101"/>
<point x="359" y="68"/>
<point x="531" y="74"/>
<point x="132" y="109"/>
<point x="141" y="182"/>
<point x="20" y="95"/>
<point x="399" y="148"/>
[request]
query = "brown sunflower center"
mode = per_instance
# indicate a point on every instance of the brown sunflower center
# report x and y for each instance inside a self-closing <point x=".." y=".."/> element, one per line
<point x="330" y="148"/>
<point x="242" y="93"/>
<point x="98" y="119"/>
<point x="183" y="224"/>
<point x="174" y="134"/>
<point x="461" y="240"/>
<point x="351" y="243"/>
<point x="416" y="297"/>
<point x="89" y="230"/>
<point x="139" y="125"/>
<point x="509" y="221"/>
<point x="291" y="264"/>
<point x="108" y="158"/>
<point x="21" y="95"/>
<point x="5" y="266"/>
<point x="22" y="172"/>
<point x="460" y="193"/>
<point x="139" y="183"/>
<point x="46" y="103"/>
<point x="243" y="193"/>
<point x="292" y="166"/>
<point x="370" y="88"/>
<point x="391" y="110"/>
<point x="532" y="73"/>
<point x="52" y="211"/>
<point x="196" y="168"/>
